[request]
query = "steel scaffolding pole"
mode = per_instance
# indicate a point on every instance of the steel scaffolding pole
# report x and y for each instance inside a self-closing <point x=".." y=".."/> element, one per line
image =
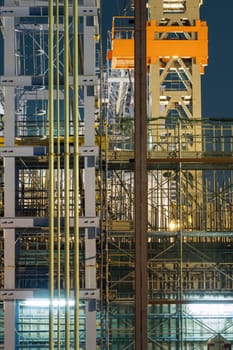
<point x="76" y="174"/>
<point x="58" y="189"/>
<point x="140" y="176"/>
<point x="67" y="173"/>
<point x="51" y="178"/>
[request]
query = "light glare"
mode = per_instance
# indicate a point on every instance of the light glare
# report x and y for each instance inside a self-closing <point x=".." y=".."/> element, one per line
<point x="46" y="302"/>
<point x="210" y="309"/>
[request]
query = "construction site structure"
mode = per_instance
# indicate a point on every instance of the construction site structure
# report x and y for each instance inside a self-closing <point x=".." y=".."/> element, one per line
<point x="49" y="88"/>
<point x="188" y="171"/>
<point x="68" y="189"/>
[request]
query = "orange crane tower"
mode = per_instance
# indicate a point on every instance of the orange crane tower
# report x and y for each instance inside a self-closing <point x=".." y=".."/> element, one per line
<point x="176" y="55"/>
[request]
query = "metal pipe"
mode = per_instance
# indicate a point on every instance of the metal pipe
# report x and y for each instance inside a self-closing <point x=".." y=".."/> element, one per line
<point x="180" y="237"/>
<point x="67" y="174"/>
<point x="51" y="178"/>
<point x="76" y="174"/>
<point x="58" y="180"/>
<point x="140" y="177"/>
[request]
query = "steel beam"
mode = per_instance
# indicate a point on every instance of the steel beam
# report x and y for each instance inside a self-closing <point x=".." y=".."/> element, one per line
<point x="9" y="185"/>
<point x="31" y="151"/>
<point x="140" y="176"/>
<point x="23" y="151"/>
<point x="22" y="294"/>
<point x="27" y="80"/>
<point x="42" y="11"/>
<point x="29" y="222"/>
<point x="89" y="176"/>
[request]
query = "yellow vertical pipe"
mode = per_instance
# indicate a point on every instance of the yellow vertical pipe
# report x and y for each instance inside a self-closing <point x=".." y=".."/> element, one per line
<point x="67" y="174"/>
<point x="180" y="231"/>
<point x="58" y="179"/>
<point x="76" y="172"/>
<point x="51" y="178"/>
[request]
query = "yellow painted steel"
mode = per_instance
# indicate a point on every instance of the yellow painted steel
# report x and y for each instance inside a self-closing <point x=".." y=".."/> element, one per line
<point x="67" y="174"/>
<point x="51" y="177"/>
<point x="57" y="139"/>
<point x="194" y="45"/>
<point x="76" y="174"/>
<point x="58" y="180"/>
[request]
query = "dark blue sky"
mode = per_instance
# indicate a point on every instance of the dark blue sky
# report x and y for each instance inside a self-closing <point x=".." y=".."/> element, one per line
<point x="217" y="82"/>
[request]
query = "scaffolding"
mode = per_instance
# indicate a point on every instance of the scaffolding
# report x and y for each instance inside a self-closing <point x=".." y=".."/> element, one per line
<point x="49" y="156"/>
<point x="69" y="251"/>
<point x="189" y="174"/>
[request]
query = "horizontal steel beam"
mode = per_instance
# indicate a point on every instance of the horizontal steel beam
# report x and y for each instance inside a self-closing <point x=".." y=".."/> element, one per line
<point x="210" y="160"/>
<point x="189" y="301"/>
<point x="39" y="151"/>
<point x="27" y="80"/>
<point x="118" y="232"/>
<point x="41" y="94"/>
<point x="30" y="222"/>
<point x="42" y="11"/>
<point x="170" y="301"/>
<point x="23" y="151"/>
<point x="22" y="294"/>
<point x="13" y="294"/>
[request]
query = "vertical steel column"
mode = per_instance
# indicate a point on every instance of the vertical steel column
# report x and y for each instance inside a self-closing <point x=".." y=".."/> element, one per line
<point x="51" y="177"/>
<point x="89" y="174"/>
<point x="58" y="189"/>
<point x="9" y="183"/>
<point x="76" y="174"/>
<point x="140" y="177"/>
<point x="67" y="173"/>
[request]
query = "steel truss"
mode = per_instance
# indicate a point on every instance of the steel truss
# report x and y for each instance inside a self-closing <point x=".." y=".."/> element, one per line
<point x="48" y="156"/>
<point x="189" y="176"/>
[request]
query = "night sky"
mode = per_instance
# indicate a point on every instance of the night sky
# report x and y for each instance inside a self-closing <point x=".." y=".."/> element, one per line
<point x="217" y="82"/>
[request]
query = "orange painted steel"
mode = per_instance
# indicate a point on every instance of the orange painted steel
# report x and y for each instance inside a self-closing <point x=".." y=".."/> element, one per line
<point x="122" y="51"/>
